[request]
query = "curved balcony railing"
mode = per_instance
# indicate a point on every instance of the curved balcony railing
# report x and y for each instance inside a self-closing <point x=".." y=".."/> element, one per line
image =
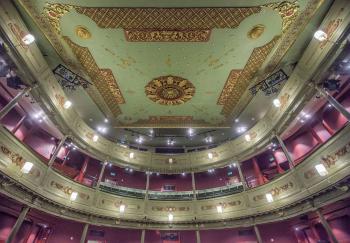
<point x="220" y="191"/>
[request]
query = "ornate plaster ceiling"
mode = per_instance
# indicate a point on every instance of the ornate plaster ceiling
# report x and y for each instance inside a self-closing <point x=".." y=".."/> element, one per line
<point x="221" y="51"/>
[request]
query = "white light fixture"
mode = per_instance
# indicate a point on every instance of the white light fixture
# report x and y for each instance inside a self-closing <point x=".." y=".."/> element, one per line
<point x="67" y="104"/>
<point x="122" y="208"/>
<point x="236" y="120"/>
<point x="170" y="217"/>
<point x="183" y="174"/>
<point x="102" y="129"/>
<point x="219" y="208"/>
<point x="28" y="39"/>
<point x="73" y="196"/>
<point x="139" y="140"/>
<point x="241" y="129"/>
<point x="210" y="155"/>
<point x="27" y="167"/>
<point x="321" y="169"/>
<point x="247" y="137"/>
<point x="320" y="35"/>
<point x="190" y="131"/>
<point x="131" y="155"/>
<point x="95" y="138"/>
<point x="171" y="160"/>
<point x="269" y="197"/>
<point x="106" y="120"/>
<point x="276" y="102"/>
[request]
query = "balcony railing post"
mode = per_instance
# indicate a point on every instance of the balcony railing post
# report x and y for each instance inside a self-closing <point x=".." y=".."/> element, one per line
<point x="147" y="184"/>
<point x="198" y="236"/>
<point x="285" y="151"/>
<point x="257" y="234"/>
<point x="143" y="234"/>
<point x="6" y="109"/>
<point x="241" y="176"/>
<point x="326" y="226"/>
<point x="101" y="174"/>
<point x="84" y="234"/>
<point x="193" y="185"/>
<point x="18" y="224"/>
<point x="57" y="150"/>
<point x="334" y="102"/>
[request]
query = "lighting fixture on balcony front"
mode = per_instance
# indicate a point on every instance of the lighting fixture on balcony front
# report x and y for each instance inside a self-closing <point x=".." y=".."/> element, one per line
<point x="321" y="169"/>
<point x="95" y="138"/>
<point x="28" y="39"/>
<point x="170" y="217"/>
<point x="131" y="155"/>
<point x="122" y="208"/>
<point x="247" y="137"/>
<point x="320" y="35"/>
<point x="73" y="196"/>
<point x="219" y="208"/>
<point x="269" y="197"/>
<point x="27" y="167"/>
<point x="210" y="155"/>
<point x="171" y="160"/>
<point x="276" y="102"/>
<point x="67" y="104"/>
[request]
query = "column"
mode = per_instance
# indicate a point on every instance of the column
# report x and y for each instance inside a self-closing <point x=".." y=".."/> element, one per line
<point x="279" y="168"/>
<point x="17" y="225"/>
<point x="13" y="102"/>
<point x="334" y="102"/>
<point x="326" y="226"/>
<point x="193" y="185"/>
<point x="143" y="234"/>
<point x="101" y="174"/>
<point x="198" y="236"/>
<point x="19" y="124"/>
<point x="147" y="184"/>
<point x="57" y="150"/>
<point x="244" y="182"/>
<point x="257" y="234"/>
<point x="285" y="151"/>
<point x="80" y="176"/>
<point x="83" y="235"/>
<point x="257" y="171"/>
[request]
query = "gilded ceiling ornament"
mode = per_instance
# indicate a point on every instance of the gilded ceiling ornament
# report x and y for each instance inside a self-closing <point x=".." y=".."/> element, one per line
<point x="256" y="31"/>
<point x="82" y="32"/>
<point x="55" y="11"/>
<point x="103" y="79"/>
<point x="169" y="90"/>
<point x="167" y="35"/>
<point x="288" y="12"/>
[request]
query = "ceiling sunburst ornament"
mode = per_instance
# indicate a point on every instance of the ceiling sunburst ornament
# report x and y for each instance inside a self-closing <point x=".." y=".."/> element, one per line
<point x="170" y="90"/>
<point x="82" y="32"/>
<point x="256" y="31"/>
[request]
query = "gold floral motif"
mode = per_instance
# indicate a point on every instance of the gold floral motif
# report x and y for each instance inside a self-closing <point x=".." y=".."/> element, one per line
<point x="256" y="31"/>
<point x="224" y="205"/>
<point x="103" y="78"/>
<point x="55" y="11"/>
<point x="169" y="90"/>
<point x="239" y="80"/>
<point x="167" y="35"/>
<point x="330" y="29"/>
<point x="288" y="12"/>
<point x="68" y="190"/>
<point x="82" y="32"/>
<point x="275" y="191"/>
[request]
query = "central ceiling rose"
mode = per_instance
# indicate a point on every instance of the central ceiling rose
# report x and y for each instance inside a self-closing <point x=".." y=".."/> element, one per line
<point x="169" y="90"/>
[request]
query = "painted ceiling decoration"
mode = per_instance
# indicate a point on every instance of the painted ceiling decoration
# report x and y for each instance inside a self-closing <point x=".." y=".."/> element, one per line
<point x="124" y="50"/>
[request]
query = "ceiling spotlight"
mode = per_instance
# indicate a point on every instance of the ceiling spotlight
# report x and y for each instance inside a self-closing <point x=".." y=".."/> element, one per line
<point x="210" y="155"/>
<point x="28" y="39"/>
<point x="151" y="131"/>
<point x="102" y="129"/>
<point x="190" y="132"/>
<point x="183" y="173"/>
<point x="247" y="137"/>
<point x="27" y="167"/>
<point x="139" y="140"/>
<point x="269" y="197"/>
<point x="170" y="142"/>
<point x="106" y="120"/>
<point x="211" y="170"/>
<point x="209" y="139"/>
<point x="131" y="155"/>
<point x="320" y="35"/>
<point x="219" y="208"/>
<point x="170" y="217"/>
<point x="321" y="169"/>
<point x="73" y="196"/>
<point x="67" y="104"/>
<point x="122" y="208"/>
<point x="241" y="129"/>
<point x="276" y="102"/>
<point x="95" y="138"/>
<point x="236" y="120"/>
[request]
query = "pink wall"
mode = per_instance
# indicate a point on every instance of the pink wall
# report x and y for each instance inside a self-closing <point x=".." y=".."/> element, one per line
<point x="41" y="142"/>
<point x="228" y="236"/>
<point x="277" y="232"/>
<point x="133" y="179"/>
<point x="300" y="144"/>
<point x="113" y="235"/>
<point x="155" y="236"/>
<point x="219" y="177"/>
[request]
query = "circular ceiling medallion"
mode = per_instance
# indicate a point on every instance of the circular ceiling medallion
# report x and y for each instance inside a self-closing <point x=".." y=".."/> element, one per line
<point x="256" y="31"/>
<point x="169" y="90"/>
<point x="82" y="32"/>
